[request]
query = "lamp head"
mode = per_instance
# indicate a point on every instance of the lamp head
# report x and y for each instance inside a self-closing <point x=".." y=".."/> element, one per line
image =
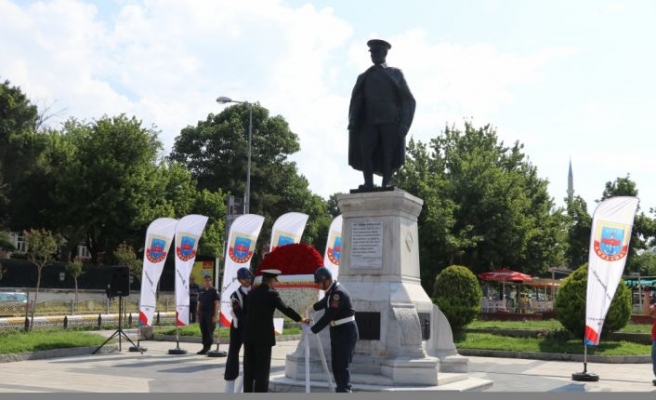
<point x="224" y="100"/>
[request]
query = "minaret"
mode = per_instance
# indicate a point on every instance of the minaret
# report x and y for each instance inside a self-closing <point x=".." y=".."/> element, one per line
<point x="570" y="182"/>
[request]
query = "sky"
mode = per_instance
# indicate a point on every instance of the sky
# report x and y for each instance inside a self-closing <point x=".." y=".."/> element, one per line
<point x="570" y="80"/>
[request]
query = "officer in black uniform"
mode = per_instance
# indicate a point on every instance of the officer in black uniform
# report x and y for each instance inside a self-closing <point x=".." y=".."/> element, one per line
<point x="208" y="309"/>
<point x="238" y="302"/>
<point x="340" y="315"/>
<point x="259" y="336"/>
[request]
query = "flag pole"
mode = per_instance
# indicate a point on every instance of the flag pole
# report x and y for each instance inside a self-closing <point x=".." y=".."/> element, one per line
<point x="585" y="376"/>
<point x="217" y="352"/>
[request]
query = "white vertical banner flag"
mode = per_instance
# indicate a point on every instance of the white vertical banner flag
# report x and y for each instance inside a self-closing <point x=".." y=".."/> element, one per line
<point x="187" y="234"/>
<point x="333" y="249"/>
<point x="288" y="229"/>
<point x="241" y="246"/>
<point x="158" y="242"/>
<point x="612" y="223"/>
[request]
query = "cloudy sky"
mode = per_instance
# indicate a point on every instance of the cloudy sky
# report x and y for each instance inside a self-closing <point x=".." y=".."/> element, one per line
<point x="568" y="79"/>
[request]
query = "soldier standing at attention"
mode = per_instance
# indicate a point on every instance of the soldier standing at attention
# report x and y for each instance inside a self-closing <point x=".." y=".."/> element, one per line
<point x="238" y="303"/>
<point x="208" y="309"/>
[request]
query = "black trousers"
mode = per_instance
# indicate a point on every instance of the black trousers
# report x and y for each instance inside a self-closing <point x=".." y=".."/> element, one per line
<point x="232" y="363"/>
<point x="206" y="329"/>
<point x="342" y="346"/>
<point x="257" y="365"/>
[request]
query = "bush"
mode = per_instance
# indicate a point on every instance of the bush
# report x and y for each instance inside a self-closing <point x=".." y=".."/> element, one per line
<point x="570" y="305"/>
<point x="458" y="294"/>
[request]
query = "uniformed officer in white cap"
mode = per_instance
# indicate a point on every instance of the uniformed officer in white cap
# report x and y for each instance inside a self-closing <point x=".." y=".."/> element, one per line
<point x="259" y="336"/>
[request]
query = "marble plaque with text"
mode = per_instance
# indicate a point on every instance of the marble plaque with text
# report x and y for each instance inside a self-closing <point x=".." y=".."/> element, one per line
<point x="367" y="245"/>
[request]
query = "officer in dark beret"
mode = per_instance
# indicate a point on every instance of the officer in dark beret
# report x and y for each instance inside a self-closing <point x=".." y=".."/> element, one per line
<point x="238" y="304"/>
<point x="259" y="336"/>
<point x="340" y="315"/>
<point x="380" y="114"/>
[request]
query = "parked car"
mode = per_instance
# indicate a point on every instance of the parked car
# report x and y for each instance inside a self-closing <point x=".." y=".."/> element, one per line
<point x="13" y="297"/>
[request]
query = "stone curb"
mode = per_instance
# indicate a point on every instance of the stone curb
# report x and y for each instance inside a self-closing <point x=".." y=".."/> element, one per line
<point x="556" y="356"/>
<point x="56" y="353"/>
<point x="196" y="339"/>
<point x="82" y="351"/>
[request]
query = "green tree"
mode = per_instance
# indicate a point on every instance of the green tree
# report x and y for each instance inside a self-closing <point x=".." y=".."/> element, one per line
<point x="212" y="205"/>
<point x="458" y="295"/>
<point x="20" y="154"/>
<point x="126" y="256"/>
<point x="75" y="269"/>
<point x="42" y="247"/>
<point x="110" y="186"/>
<point x="5" y="245"/>
<point x="570" y="305"/>
<point x="216" y="153"/>
<point x="643" y="226"/>
<point x="18" y="120"/>
<point x="579" y="224"/>
<point x="485" y="206"/>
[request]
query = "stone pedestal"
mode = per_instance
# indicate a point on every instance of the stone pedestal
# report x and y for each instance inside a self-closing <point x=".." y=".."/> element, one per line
<point x="379" y="266"/>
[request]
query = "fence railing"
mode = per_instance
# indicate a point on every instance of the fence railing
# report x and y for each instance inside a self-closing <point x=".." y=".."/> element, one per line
<point x="89" y="306"/>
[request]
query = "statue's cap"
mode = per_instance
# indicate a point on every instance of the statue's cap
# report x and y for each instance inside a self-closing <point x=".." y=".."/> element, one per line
<point x="378" y="43"/>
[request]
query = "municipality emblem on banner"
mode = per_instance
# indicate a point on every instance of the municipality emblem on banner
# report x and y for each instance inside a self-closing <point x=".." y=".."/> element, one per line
<point x="240" y="249"/>
<point x="155" y="252"/>
<point x="611" y="243"/>
<point x="335" y="247"/>
<point x="186" y="247"/>
<point x="283" y="239"/>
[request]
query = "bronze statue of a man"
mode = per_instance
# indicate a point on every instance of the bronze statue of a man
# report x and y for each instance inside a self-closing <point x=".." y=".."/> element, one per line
<point x="380" y="115"/>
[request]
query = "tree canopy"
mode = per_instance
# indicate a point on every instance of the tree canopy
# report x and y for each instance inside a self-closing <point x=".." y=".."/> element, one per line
<point x="485" y="206"/>
<point x="216" y="153"/>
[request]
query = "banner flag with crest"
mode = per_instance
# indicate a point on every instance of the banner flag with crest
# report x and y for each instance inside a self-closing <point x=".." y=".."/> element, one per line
<point x="610" y="236"/>
<point x="333" y="249"/>
<point x="288" y="229"/>
<point x="241" y="246"/>
<point x="187" y="234"/>
<point x="158" y="242"/>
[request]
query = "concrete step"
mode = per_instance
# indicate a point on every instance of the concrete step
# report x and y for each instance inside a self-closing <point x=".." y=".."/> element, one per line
<point x="449" y="382"/>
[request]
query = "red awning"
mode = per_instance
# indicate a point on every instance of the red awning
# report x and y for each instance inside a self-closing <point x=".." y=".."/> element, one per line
<point x="504" y="275"/>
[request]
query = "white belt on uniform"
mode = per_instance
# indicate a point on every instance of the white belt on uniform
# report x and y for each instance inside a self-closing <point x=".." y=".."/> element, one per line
<point x="342" y="321"/>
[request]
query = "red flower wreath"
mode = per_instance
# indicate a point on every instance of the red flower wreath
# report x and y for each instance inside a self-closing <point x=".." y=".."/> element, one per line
<point x="292" y="259"/>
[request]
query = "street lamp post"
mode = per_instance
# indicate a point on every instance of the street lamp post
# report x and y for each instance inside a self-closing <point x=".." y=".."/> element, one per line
<point x="247" y="195"/>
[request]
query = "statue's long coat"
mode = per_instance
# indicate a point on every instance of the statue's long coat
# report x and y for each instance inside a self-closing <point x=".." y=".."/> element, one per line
<point x="357" y="119"/>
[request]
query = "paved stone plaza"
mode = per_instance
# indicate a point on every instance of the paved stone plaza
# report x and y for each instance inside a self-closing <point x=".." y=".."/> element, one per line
<point x="158" y="372"/>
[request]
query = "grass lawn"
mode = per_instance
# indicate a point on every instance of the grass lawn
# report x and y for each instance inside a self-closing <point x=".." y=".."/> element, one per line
<point x="194" y="330"/>
<point x="488" y="341"/>
<point x="15" y="341"/>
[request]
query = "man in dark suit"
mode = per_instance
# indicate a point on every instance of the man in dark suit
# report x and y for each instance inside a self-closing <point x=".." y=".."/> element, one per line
<point x="380" y="114"/>
<point x="340" y="315"/>
<point x="207" y="311"/>
<point x="259" y="336"/>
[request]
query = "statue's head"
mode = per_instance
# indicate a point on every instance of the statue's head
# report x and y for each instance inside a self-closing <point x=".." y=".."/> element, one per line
<point x="378" y="49"/>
